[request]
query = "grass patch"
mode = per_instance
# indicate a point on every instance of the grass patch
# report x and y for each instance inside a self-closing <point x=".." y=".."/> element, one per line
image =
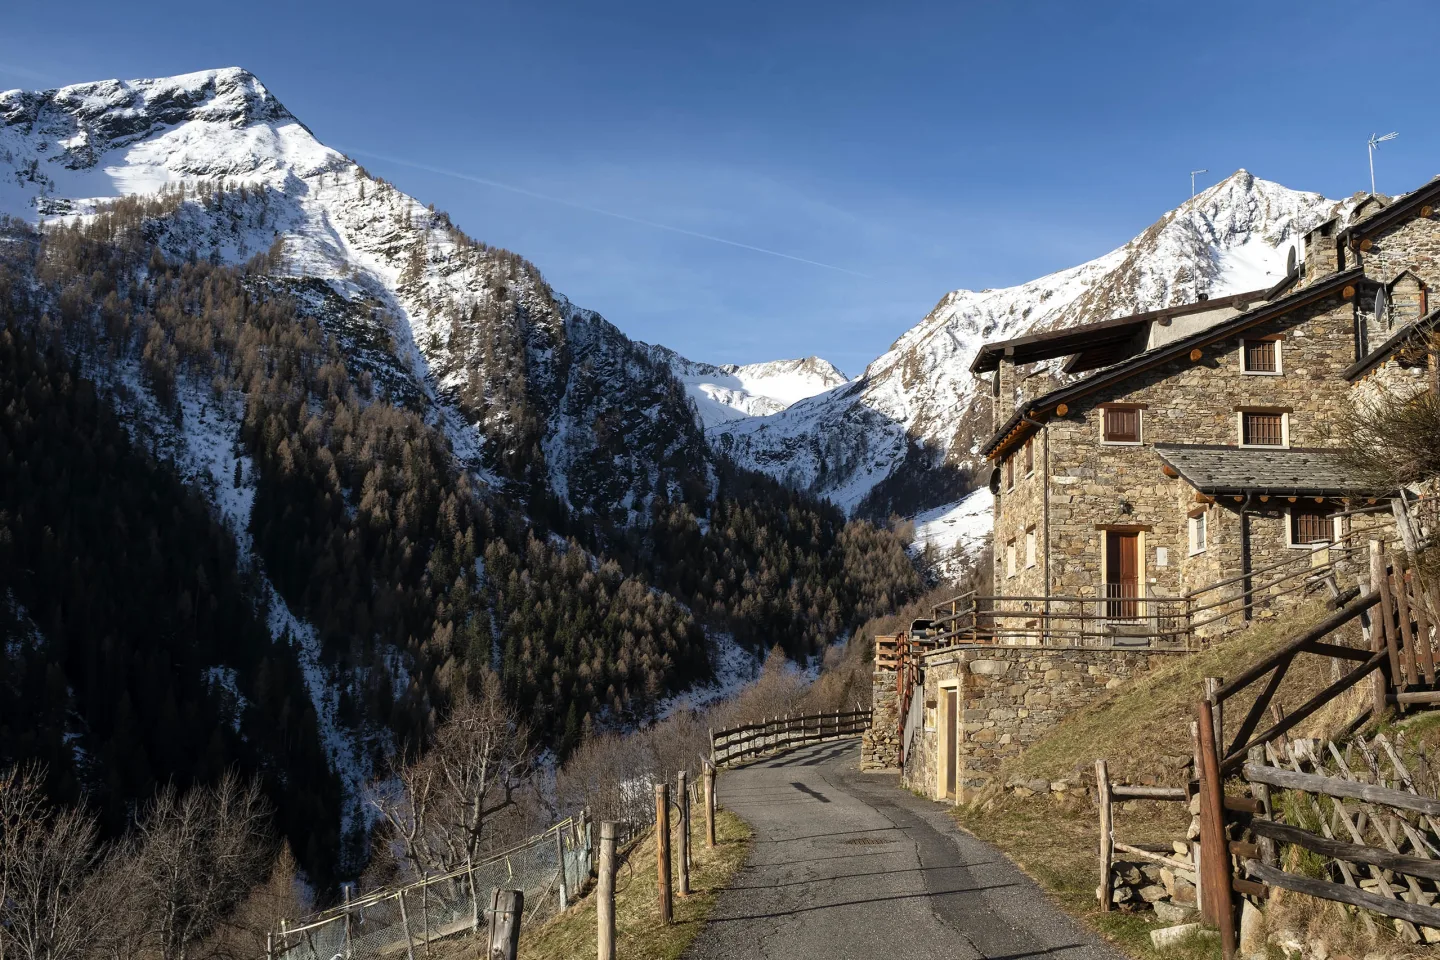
<point x="638" y="933"/>
<point x="1056" y="839"/>
<point x="1144" y="722"/>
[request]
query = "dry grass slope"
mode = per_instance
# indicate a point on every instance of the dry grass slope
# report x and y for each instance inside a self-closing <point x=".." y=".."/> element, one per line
<point x="1143" y="730"/>
<point x="638" y="933"/>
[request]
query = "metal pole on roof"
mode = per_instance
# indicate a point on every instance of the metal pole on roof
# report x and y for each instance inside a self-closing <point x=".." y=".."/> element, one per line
<point x="1373" y="143"/>
<point x="1192" y="181"/>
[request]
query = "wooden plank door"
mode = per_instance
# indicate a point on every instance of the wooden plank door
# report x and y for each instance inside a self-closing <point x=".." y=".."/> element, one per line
<point x="952" y="741"/>
<point x="1122" y="574"/>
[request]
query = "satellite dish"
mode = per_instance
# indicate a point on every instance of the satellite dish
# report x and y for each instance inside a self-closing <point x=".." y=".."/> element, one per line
<point x="1290" y="265"/>
<point x="995" y="480"/>
<point x="1381" y="306"/>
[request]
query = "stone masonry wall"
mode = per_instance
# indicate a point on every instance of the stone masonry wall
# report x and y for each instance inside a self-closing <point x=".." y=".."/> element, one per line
<point x="1009" y="698"/>
<point x="880" y="744"/>
<point x="1093" y="484"/>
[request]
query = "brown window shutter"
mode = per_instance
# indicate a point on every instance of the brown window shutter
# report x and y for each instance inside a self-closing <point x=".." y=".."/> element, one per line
<point x="1122" y="424"/>
<point x="1263" y="429"/>
<point x="1311" y="525"/>
<point x="1030" y="455"/>
<point x="1260" y="356"/>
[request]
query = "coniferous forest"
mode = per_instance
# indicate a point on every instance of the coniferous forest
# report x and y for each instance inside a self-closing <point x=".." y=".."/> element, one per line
<point x="147" y="640"/>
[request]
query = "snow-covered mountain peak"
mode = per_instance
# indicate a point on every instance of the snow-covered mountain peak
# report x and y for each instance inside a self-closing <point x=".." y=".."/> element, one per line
<point x="918" y="407"/>
<point x="728" y="391"/>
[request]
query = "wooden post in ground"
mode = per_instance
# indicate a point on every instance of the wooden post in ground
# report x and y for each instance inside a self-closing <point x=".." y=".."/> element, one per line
<point x="605" y="893"/>
<point x="1379" y="686"/>
<point x="662" y="849"/>
<point x="560" y="865"/>
<point x="1212" y="691"/>
<point x="1197" y="766"/>
<point x="405" y="922"/>
<point x="1214" y="844"/>
<point x="1107" y="839"/>
<point x="505" y="914"/>
<point x="710" y="807"/>
<point x="1407" y="636"/>
<point x="684" y="801"/>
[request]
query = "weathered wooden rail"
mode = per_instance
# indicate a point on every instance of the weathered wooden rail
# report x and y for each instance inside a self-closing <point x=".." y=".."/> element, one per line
<point x="750" y="740"/>
<point x="1397" y="615"/>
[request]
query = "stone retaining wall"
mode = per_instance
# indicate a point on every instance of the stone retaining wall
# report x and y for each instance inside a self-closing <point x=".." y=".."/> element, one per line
<point x="1009" y="698"/>
<point x="880" y="745"/>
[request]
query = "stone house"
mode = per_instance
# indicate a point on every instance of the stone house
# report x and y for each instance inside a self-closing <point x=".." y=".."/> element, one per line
<point x="1199" y="445"/>
<point x="1188" y="446"/>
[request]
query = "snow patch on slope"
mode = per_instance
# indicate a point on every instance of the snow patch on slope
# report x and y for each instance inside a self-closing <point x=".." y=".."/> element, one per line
<point x="954" y="534"/>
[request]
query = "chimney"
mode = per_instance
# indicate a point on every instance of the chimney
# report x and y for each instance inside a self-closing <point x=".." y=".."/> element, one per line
<point x="1322" y="255"/>
<point x="1002" y="392"/>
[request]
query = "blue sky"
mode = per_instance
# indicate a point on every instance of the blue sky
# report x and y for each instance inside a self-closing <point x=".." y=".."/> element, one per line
<point x="902" y="149"/>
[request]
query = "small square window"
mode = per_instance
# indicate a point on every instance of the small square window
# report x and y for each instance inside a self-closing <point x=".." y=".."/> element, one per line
<point x="1261" y="356"/>
<point x="1262" y="429"/>
<point x="1122" y="424"/>
<point x="1311" y="525"/>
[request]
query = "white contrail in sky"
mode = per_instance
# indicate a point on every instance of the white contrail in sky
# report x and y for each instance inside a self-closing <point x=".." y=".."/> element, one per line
<point x="602" y="212"/>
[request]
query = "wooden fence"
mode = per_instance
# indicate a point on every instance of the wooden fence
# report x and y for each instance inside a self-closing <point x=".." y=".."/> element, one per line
<point x="1113" y="619"/>
<point x="1107" y="795"/>
<point x="1397" y="616"/>
<point x="750" y="740"/>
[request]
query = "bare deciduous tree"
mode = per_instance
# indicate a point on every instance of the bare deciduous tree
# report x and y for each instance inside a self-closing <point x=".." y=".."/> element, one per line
<point x="197" y="855"/>
<point x="47" y="911"/>
<point x="447" y="798"/>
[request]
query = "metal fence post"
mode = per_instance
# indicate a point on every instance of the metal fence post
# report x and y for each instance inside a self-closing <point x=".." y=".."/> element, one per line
<point x="347" y="922"/>
<point x="560" y="864"/>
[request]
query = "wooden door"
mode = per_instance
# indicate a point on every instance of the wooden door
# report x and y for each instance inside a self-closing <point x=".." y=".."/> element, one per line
<point x="1122" y="574"/>
<point x="952" y="740"/>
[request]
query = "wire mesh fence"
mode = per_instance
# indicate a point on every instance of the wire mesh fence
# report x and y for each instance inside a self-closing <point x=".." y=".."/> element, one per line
<point x="549" y="868"/>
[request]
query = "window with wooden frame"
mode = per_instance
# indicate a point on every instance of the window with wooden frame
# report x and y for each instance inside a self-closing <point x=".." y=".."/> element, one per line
<point x="1199" y="532"/>
<point x="1029" y="547"/>
<point x="1029" y="456"/>
<point x="1121" y="424"/>
<point x="1262" y="428"/>
<point x="1010" y="472"/>
<point x="1311" y="524"/>
<point x="1261" y="355"/>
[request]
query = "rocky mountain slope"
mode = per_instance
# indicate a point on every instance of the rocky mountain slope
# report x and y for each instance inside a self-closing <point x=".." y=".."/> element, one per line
<point x="533" y="391"/>
<point x="917" y="411"/>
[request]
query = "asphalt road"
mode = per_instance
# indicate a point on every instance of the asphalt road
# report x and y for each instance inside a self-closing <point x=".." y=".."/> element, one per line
<point x="848" y="865"/>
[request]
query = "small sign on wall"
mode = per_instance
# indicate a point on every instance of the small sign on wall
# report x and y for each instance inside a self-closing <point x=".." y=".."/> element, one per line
<point x="1162" y="556"/>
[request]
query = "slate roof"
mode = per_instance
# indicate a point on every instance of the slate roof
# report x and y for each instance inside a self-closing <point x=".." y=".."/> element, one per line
<point x="1023" y="421"/>
<point x="1286" y="471"/>
<point x="1398" y="339"/>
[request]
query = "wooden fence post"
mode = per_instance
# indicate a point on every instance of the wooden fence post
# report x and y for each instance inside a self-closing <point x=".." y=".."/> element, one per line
<point x="605" y="893"/>
<point x="1107" y="839"/>
<point x="684" y="801"/>
<point x="560" y="865"/>
<point x="662" y="849"/>
<point x="1212" y="691"/>
<point x="1379" y="680"/>
<point x="1195" y="844"/>
<point x="405" y="922"/>
<point x="1215" y="874"/>
<point x="712" y="746"/>
<point x="710" y="807"/>
<point x="505" y="914"/>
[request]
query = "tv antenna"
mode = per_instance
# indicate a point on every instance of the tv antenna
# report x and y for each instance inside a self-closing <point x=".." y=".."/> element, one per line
<point x="1373" y="143"/>
<point x="1192" y="180"/>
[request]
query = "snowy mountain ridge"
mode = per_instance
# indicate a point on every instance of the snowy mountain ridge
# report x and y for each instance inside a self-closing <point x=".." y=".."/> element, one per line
<point x="727" y="391"/>
<point x="917" y="407"/>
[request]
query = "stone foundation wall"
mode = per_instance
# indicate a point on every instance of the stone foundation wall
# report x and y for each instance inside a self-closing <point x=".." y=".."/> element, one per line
<point x="1009" y="698"/>
<point x="880" y="745"/>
